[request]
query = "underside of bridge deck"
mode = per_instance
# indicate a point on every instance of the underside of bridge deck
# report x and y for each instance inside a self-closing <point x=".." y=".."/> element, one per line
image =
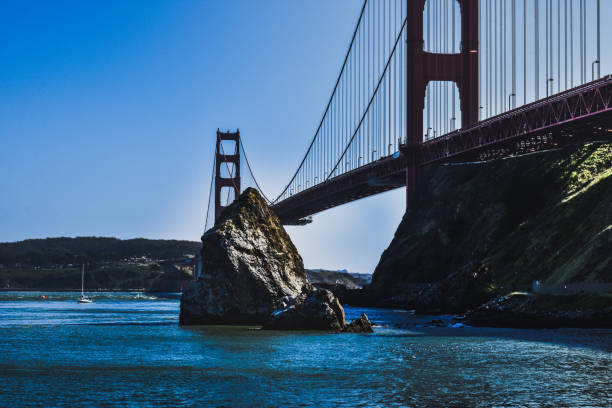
<point x="383" y="175"/>
<point x="581" y="114"/>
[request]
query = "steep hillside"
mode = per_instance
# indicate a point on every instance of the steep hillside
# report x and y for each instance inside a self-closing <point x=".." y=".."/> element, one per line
<point x="478" y="230"/>
<point x="63" y="251"/>
<point x="55" y="263"/>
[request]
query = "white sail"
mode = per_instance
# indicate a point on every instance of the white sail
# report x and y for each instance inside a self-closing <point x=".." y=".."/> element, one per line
<point x="83" y="298"/>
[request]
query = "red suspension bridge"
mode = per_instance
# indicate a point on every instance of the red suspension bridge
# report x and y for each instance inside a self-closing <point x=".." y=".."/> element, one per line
<point x="523" y="74"/>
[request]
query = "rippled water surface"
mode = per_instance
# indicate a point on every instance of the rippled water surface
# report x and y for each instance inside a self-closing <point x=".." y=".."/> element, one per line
<point x="127" y="349"/>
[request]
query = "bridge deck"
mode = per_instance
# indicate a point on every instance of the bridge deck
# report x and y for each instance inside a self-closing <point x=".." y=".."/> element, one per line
<point x="581" y="113"/>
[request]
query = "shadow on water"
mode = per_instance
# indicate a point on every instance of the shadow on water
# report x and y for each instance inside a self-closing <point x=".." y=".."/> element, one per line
<point x="596" y="339"/>
<point x="401" y="324"/>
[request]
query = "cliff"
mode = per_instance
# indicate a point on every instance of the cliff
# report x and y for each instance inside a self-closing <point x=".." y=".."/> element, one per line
<point x="475" y="231"/>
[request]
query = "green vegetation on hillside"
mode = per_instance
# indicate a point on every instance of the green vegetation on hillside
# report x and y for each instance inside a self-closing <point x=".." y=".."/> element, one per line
<point x="63" y="251"/>
<point x="479" y="230"/>
<point x="55" y="263"/>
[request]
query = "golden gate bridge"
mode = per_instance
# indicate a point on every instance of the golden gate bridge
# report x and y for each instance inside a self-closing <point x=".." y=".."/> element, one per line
<point x="434" y="81"/>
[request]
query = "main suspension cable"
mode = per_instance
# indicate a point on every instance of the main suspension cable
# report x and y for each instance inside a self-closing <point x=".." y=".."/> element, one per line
<point x="328" y="103"/>
<point x="371" y="100"/>
<point x="212" y="178"/>
<point x="251" y="171"/>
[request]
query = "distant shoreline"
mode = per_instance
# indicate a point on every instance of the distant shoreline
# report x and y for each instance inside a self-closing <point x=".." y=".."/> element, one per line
<point x="79" y="289"/>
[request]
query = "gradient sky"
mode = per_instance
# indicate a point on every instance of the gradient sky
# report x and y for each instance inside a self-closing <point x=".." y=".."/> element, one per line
<point x="109" y="111"/>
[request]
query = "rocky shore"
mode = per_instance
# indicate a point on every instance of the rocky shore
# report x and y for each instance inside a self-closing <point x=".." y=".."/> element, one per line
<point x="477" y="232"/>
<point x="532" y="311"/>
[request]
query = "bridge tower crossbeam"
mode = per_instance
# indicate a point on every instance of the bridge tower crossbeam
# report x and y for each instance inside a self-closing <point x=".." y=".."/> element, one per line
<point x="222" y="158"/>
<point x="423" y="67"/>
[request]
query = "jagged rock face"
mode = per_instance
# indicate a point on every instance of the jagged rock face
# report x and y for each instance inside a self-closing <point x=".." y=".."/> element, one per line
<point x="361" y="325"/>
<point x="250" y="267"/>
<point x="316" y="310"/>
<point x="477" y="231"/>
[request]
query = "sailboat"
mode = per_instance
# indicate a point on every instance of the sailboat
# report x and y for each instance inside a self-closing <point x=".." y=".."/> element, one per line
<point x="83" y="298"/>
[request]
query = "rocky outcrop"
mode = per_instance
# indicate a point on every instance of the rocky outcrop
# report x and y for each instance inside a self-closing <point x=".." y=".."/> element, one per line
<point x="481" y="230"/>
<point x="361" y="325"/>
<point x="253" y="274"/>
<point x="529" y="310"/>
<point x="318" y="309"/>
<point x="250" y="268"/>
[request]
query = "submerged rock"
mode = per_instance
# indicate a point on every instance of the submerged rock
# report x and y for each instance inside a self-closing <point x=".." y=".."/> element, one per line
<point x="316" y="310"/>
<point x="361" y="325"/>
<point x="250" y="267"/>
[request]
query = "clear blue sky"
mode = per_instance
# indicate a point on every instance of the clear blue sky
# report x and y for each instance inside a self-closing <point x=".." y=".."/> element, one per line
<point x="109" y="111"/>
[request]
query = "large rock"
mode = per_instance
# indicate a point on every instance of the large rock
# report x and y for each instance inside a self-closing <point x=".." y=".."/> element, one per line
<point x="361" y="325"/>
<point x="316" y="310"/>
<point x="250" y="268"/>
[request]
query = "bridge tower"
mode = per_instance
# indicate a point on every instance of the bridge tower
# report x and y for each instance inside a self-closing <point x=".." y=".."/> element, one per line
<point x="423" y="67"/>
<point x="222" y="158"/>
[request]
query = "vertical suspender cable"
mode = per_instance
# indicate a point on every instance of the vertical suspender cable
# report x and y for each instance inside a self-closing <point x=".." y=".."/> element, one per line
<point x="537" y="51"/>
<point x="584" y="40"/>
<point x="489" y="54"/>
<point x="445" y="38"/>
<point x="395" y="100"/>
<point x="504" y="52"/>
<point x="571" y="43"/>
<point x="565" y="32"/>
<point x="558" y="46"/>
<point x="496" y="46"/>
<point x="487" y="89"/>
<point x="369" y="78"/>
<point x="546" y="16"/>
<point x="551" y="51"/>
<point x="598" y="40"/>
<point x="581" y="44"/>
<point x="453" y="51"/>
<point x="524" y="52"/>
<point x="361" y="90"/>
<point x="480" y="42"/>
<point x="513" y="53"/>
<point x="434" y="84"/>
<point x="381" y="94"/>
<point x="428" y="88"/>
<point x="440" y="102"/>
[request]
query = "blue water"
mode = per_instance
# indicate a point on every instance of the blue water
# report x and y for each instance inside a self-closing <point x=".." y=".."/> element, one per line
<point x="127" y="349"/>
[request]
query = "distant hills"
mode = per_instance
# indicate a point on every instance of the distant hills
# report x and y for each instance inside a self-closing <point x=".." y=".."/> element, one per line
<point x="53" y="252"/>
<point x="342" y="278"/>
<point x="111" y="264"/>
<point x="116" y="264"/>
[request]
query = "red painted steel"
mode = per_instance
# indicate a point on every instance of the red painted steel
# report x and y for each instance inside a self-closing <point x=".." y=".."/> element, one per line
<point x="221" y="158"/>
<point x="566" y="112"/>
<point x="583" y="112"/>
<point x="424" y="67"/>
